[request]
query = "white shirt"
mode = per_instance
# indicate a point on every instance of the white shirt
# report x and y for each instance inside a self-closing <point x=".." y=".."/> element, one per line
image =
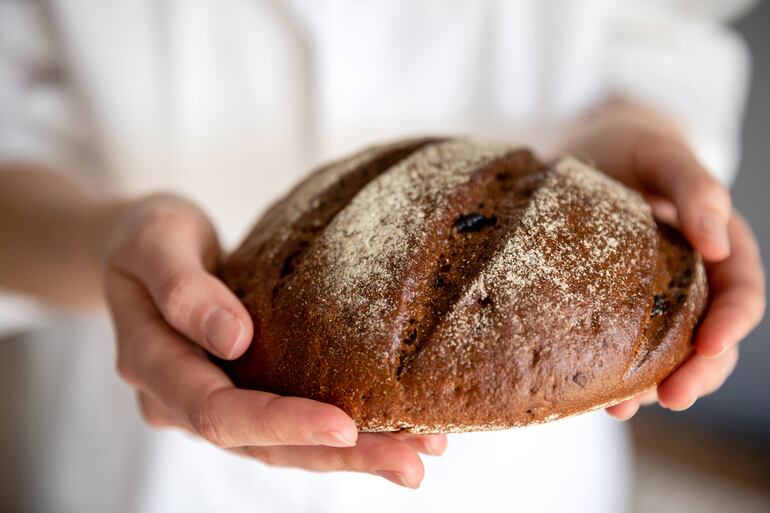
<point x="229" y="102"/>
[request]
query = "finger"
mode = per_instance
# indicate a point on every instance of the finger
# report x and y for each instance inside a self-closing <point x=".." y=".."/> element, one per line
<point x="156" y="359"/>
<point x="202" y="308"/>
<point x="624" y="410"/>
<point x="662" y="209"/>
<point x="737" y="291"/>
<point x="628" y="408"/>
<point x="374" y="454"/>
<point x="154" y="413"/>
<point x="171" y="255"/>
<point x="649" y="397"/>
<point x="697" y="377"/>
<point x="433" y="444"/>
<point x="703" y="204"/>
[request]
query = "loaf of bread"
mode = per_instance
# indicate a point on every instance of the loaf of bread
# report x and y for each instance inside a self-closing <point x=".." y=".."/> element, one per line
<point x="443" y="285"/>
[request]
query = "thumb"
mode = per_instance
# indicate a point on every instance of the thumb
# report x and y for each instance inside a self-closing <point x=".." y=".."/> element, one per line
<point x="167" y="254"/>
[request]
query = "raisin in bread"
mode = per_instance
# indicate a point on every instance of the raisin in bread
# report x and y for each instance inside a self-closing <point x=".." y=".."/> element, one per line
<point x="443" y="285"/>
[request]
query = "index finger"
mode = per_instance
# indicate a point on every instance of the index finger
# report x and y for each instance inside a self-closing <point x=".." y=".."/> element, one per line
<point x="737" y="293"/>
<point x="703" y="205"/>
<point x="171" y="253"/>
<point x="161" y="362"/>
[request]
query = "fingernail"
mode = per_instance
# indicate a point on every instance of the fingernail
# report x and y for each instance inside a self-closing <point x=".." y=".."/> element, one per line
<point x="715" y="229"/>
<point x="715" y="352"/>
<point x="332" y="439"/>
<point x="631" y="414"/>
<point x="434" y="447"/>
<point x="224" y="331"/>
<point x="689" y="405"/>
<point x="395" y="477"/>
<point x="626" y="417"/>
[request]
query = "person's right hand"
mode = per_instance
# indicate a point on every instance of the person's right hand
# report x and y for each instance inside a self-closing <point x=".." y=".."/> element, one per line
<point x="167" y="308"/>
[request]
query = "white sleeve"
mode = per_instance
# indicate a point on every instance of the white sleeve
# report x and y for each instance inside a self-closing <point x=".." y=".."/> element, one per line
<point x="679" y="58"/>
<point x="40" y="121"/>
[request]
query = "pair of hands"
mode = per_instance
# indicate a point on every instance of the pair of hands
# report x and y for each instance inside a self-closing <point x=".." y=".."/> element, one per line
<point x="167" y="308"/>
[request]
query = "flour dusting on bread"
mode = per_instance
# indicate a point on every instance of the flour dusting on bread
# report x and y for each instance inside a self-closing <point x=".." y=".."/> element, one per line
<point x="459" y="285"/>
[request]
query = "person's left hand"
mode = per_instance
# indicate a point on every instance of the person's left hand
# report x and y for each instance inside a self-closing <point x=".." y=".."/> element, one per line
<point x="169" y="310"/>
<point x="644" y="151"/>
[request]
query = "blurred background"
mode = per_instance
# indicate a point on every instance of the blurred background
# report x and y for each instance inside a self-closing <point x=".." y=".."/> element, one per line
<point x="716" y="455"/>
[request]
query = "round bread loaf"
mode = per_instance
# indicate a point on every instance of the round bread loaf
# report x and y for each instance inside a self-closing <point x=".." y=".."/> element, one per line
<point x="444" y="285"/>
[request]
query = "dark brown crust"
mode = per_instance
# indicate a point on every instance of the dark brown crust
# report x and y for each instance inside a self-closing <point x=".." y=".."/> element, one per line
<point x="422" y="379"/>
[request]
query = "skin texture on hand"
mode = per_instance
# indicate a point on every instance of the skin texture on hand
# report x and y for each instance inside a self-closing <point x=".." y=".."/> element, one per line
<point x="645" y="151"/>
<point x="167" y="308"/>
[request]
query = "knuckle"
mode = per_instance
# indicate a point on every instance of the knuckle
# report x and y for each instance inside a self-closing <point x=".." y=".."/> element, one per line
<point x="162" y="217"/>
<point x="715" y="192"/>
<point x="144" y="228"/>
<point x="273" y="433"/>
<point x="207" y="426"/>
<point x="149" y="414"/>
<point x="128" y="361"/>
<point x="270" y="422"/>
<point x="153" y="420"/>
<point x="125" y="371"/>
<point x="654" y="151"/>
<point x="156" y="422"/>
<point x="338" y="460"/>
<point x="651" y="144"/>
<point x="173" y="294"/>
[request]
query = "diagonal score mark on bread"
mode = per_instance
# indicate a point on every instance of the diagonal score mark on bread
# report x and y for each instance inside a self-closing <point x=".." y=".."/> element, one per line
<point x="425" y="293"/>
<point x="493" y="195"/>
<point x="287" y="229"/>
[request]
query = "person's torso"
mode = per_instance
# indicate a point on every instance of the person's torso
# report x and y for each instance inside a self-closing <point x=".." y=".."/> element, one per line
<point x="230" y="102"/>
